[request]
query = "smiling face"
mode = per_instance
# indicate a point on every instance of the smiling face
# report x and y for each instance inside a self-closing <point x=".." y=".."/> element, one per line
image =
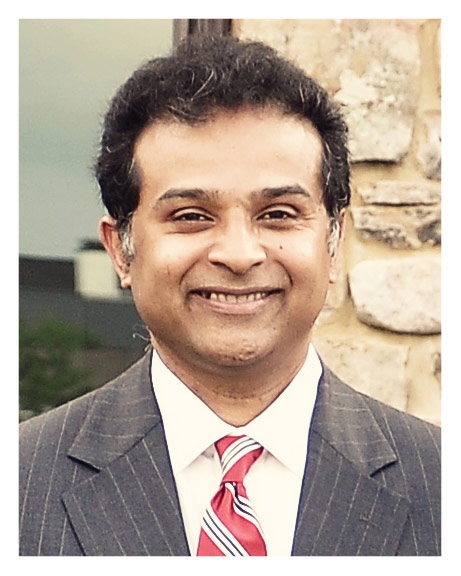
<point x="231" y="263"/>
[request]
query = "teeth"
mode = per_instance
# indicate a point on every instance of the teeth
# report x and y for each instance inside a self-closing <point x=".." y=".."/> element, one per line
<point x="234" y="298"/>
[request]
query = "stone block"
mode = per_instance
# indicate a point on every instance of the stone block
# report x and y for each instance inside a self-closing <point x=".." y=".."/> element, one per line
<point x="378" y="370"/>
<point x="398" y="192"/>
<point x="402" y="295"/>
<point x="404" y="227"/>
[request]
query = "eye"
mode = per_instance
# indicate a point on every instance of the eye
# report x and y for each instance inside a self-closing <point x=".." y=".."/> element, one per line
<point x="277" y="214"/>
<point x="191" y="216"/>
<point x="190" y="220"/>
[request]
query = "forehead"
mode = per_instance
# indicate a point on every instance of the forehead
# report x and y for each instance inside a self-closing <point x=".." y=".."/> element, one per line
<point x="240" y="149"/>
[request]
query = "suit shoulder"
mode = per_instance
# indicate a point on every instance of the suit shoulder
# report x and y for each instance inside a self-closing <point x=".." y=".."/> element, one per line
<point x="74" y="412"/>
<point x="413" y="439"/>
<point x="389" y="417"/>
<point x="59" y="426"/>
<point x="399" y="424"/>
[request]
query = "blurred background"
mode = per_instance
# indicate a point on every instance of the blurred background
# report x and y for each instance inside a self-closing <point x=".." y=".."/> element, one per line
<point x="77" y="328"/>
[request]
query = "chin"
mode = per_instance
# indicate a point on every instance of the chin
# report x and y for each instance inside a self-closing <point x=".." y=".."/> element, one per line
<point x="238" y="356"/>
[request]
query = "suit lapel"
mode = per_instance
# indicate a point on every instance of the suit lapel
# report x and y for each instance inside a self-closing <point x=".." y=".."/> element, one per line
<point x="130" y="507"/>
<point x="343" y="510"/>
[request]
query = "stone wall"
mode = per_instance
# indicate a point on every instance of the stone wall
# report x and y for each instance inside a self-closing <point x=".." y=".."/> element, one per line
<point x="380" y="329"/>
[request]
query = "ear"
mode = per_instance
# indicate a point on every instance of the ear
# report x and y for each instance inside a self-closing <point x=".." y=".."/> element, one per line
<point x="110" y="238"/>
<point x="336" y="259"/>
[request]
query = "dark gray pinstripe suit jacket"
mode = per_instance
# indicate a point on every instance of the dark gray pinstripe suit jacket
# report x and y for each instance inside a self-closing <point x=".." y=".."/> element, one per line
<point x="95" y="478"/>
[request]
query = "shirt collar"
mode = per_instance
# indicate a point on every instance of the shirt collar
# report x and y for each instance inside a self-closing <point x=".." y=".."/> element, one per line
<point x="191" y="427"/>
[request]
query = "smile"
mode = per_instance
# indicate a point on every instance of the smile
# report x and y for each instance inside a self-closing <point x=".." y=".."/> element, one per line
<point x="236" y="301"/>
<point x="234" y="298"/>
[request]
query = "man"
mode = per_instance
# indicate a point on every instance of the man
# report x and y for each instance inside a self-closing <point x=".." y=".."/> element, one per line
<point x="224" y="171"/>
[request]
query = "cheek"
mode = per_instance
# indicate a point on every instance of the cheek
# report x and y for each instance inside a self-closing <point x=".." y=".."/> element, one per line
<point x="308" y="263"/>
<point x="174" y="258"/>
<point x="161" y="263"/>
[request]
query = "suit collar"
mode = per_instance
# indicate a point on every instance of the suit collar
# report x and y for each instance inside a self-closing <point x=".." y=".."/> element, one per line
<point x="122" y="413"/>
<point x="126" y="410"/>
<point x="343" y="419"/>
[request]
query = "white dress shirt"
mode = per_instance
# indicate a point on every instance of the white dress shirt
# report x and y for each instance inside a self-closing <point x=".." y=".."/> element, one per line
<point x="273" y="483"/>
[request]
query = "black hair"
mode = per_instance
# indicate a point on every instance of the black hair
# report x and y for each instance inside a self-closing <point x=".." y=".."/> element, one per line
<point x="202" y="76"/>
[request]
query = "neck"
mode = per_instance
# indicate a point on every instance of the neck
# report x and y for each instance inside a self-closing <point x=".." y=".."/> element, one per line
<point x="237" y="394"/>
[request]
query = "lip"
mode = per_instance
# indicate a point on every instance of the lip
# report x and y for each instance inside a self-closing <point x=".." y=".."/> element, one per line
<point x="235" y="301"/>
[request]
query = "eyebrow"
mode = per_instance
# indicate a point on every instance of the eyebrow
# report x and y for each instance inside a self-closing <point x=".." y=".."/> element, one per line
<point x="270" y="193"/>
<point x="183" y="193"/>
<point x="279" y="191"/>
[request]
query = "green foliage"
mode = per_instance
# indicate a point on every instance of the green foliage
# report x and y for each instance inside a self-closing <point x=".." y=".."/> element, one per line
<point x="48" y="372"/>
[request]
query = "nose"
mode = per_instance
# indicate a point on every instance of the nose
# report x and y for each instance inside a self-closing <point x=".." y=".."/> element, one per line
<point x="237" y="246"/>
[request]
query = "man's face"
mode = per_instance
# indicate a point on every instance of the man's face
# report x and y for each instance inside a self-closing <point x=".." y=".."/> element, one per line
<point x="231" y="264"/>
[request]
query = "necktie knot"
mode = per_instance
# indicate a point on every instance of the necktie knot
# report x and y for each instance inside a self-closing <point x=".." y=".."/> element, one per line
<point x="237" y="454"/>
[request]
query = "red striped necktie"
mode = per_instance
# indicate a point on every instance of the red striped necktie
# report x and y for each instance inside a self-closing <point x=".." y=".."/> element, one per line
<point x="230" y="526"/>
